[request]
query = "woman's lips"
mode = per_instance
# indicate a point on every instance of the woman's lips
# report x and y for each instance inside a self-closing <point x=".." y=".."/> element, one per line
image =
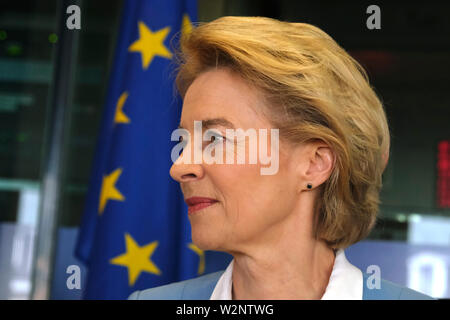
<point x="198" y="203"/>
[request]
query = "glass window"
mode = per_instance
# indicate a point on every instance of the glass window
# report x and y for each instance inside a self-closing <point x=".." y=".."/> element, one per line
<point x="26" y="67"/>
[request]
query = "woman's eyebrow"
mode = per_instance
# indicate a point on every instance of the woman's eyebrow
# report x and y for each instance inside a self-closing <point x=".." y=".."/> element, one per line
<point x="214" y="122"/>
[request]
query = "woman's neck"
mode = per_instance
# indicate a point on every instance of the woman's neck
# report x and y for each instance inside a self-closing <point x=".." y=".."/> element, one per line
<point x="293" y="272"/>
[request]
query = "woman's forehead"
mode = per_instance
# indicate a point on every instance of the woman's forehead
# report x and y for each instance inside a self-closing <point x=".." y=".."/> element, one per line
<point x="219" y="93"/>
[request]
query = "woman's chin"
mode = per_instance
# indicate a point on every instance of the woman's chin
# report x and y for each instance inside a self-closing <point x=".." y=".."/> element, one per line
<point x="205" y="242"/>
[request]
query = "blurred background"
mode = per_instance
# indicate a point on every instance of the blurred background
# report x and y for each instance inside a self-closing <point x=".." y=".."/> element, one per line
<point x="53" y="86"/>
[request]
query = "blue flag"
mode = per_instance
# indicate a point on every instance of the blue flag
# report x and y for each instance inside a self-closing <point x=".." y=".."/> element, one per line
<point x="135" y="233"/>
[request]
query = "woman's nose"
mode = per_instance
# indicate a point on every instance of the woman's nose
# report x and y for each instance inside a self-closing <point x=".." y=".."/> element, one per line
<point x="183" y="172"/>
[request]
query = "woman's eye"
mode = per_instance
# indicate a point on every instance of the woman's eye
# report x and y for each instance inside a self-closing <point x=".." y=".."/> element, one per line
<point x="217" y="138"/>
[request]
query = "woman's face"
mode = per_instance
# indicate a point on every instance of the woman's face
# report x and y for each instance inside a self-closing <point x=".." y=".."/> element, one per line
<point x="250" y="207"/>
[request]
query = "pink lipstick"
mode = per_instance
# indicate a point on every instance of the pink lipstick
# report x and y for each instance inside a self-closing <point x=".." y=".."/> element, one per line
<point x="198" y="203"/>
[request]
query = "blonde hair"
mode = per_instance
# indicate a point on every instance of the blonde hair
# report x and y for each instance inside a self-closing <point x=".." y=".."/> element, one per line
<point x="315" y="90"/>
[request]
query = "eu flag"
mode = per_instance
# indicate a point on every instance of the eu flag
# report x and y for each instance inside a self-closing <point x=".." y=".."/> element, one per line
<point x="135" y="233"/>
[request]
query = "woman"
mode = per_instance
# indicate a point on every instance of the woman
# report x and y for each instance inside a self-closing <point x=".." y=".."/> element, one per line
<point x="286" y="231"/>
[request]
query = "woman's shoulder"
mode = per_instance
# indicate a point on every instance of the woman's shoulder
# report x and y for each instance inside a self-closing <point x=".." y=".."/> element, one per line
<point x="387" y="290"/>
<point x="199" y="288"/>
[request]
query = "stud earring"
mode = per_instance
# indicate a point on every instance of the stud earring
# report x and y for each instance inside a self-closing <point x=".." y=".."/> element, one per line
<point x="309" y="185"/>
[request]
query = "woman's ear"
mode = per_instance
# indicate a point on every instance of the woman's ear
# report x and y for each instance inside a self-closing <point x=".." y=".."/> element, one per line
<point x="321" y="163"/>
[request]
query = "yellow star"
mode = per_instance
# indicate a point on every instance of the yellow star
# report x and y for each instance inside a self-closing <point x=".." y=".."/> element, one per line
<point x="120" y="116"/>
<point x="109" y="191"/>
<point x="136" y="259"/>
<point x="151" y="44"/>
<point x="201" y="254"/>
<point x="186" y="25"/>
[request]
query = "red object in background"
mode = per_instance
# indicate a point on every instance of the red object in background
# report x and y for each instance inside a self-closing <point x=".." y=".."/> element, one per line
<point x="375" y="62"/>
<point x="443" y="181"/>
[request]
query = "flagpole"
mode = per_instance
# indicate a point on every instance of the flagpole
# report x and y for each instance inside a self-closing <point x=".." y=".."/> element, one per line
<point x="58" y="123"/>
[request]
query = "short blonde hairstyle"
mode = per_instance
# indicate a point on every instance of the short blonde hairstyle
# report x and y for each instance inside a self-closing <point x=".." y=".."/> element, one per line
<point x="315" y="90"/>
